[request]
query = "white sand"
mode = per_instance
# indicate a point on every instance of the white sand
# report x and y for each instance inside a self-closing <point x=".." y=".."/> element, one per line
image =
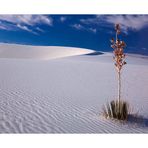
<point x="65" y="95"/>
<point x="38" y="52"/>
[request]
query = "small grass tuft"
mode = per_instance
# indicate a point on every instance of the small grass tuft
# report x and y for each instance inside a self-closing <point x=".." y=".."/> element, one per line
<point x="116" y="110"/>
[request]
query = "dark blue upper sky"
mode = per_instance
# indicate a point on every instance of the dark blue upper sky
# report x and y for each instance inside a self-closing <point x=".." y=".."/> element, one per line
<point x="86" y="31"/>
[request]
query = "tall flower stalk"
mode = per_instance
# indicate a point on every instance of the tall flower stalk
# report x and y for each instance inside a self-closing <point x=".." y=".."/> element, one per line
<point x="117" y="109"/>
<point x="119" y="57"/>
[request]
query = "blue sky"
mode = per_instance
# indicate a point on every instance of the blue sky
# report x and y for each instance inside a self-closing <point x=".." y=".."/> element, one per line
<point x="86" y="31"/>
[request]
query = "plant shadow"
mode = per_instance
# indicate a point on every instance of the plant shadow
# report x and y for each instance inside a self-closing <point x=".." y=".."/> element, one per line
<point x="138" y="120"/>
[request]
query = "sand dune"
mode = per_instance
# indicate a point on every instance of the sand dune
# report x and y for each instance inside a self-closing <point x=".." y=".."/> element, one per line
<point x="65" y="95"/>
<point x="38" y="52"/>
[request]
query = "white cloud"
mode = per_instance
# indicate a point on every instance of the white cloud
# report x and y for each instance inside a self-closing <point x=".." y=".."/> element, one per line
<point x="25" y="28"/>
<point x="14" y="22"/>
<point x="42" y="19"/>
<point x="93" y="30"/>
<point x="78" y="26"/>
<point x="63" y="18"/>
<point x="89" y="21"/>
<point x="39" y="29"/>
<point x="134" y="22"/>
<point x="5" y="26"/>
<point x="144" y="48"/>
<point x="27" y="19"/>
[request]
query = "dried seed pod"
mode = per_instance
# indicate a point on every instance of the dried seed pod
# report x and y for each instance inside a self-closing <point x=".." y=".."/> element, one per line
<point x="117" y="28"/>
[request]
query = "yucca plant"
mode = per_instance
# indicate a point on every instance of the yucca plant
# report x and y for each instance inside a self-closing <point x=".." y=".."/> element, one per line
<point x="119" y="57"/>
<point x="117" y="109"/>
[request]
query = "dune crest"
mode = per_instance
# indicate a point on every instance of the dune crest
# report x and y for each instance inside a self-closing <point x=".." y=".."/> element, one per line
<point x="39" y="52"/>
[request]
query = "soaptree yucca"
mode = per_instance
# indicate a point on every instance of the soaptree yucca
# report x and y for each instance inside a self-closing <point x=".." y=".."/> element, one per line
<point x="117" y="109"/>
<point x="119" y="57"/>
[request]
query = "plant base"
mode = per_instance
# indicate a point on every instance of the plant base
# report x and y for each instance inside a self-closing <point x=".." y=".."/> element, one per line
<point x="116" y="110"/>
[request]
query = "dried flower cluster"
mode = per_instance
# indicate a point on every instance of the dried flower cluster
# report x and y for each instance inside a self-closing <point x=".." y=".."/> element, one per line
<point x="119" y="56"/>
<point x="118" y="47"/>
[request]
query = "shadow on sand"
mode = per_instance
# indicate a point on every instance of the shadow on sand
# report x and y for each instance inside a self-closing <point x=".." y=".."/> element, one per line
<point x="94" y="53"/>
<point x="138" y="120"/>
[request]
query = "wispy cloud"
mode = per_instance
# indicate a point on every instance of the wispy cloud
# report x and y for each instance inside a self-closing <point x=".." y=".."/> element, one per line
<point x="89" y="21"/>
<point x="78" y="26"/>
<point x="81" y="27"/>
<point x="7" y="26"/>
<point x="10" y="22"/>
<point x="130" y="21"/>
<point x="39" y="29"/>
<point x="94" y="30"/>
<point x="3" y="28"/>
<point x="63" y="18"/>
<point x="27" y="19"/>
<point x="23" y="27"/>
<point x="133" y="22"/>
